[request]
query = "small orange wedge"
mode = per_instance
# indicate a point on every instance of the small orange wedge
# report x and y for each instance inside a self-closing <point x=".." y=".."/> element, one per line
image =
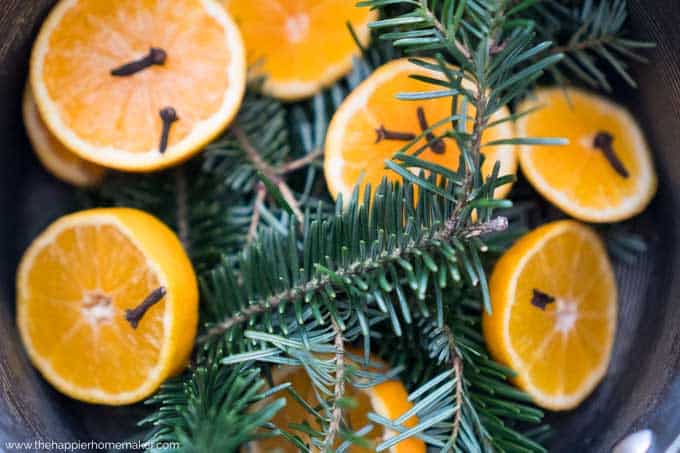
<point x="605" y="173"/>
<point x="366" y="129"/>
<point x="137" y="85"/>
<point x="107" y="305"/>
<point x="54" y="156"/>
<point x="388" y="399"/>
<point x="300" y="46"/>
<point x="553" y="296"/>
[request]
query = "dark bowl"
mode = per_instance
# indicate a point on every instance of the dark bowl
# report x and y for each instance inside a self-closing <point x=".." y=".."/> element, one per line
<point x="642" y="389"/>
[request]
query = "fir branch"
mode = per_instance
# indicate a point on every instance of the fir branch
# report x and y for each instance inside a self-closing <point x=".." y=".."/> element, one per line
<point x="588" y="33"/>
<point x="352" y="269"/>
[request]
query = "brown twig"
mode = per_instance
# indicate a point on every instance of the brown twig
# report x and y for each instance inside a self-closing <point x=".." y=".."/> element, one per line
<point x="267" y="170"/>
<point x="260" y="194"/>
<point x="338" y="391"/>
<point x="299" y="163"/>
<point x="457" y="365"/>
<point x="181" y="207"/>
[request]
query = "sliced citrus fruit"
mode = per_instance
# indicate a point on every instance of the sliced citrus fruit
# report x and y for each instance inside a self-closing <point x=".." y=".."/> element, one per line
<point x="137" y="85"/>
<point x="54" y="156"/>
<point x="554" y="304"/>
<point x="388" y="399"/>
<point x="300" y="46"/>
<point x="107" y="304"/>
<point x="605" y="173"/>
<point x="371" y="124"/>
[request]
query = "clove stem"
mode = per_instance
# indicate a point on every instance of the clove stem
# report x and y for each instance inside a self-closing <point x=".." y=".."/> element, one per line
<point x="133" y="316"/>
<point x="604" y="141"/>
<point x="436" y="144"/>
<point x="168" y="116"/>
<point x="156" y="56"/>
<point x="386" y="134"/>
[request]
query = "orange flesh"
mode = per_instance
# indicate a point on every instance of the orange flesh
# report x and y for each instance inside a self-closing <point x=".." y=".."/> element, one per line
<point x="95" y="37"/>
<point x="361" y="158"/>
<point x="299" y="41"/>
<point x="80" y="308"/>
<point x="389" y="399"/>
<point x="579" y="172"/>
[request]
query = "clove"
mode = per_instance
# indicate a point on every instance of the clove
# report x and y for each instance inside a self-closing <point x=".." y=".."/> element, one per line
<point x="386" y="134"/>
<point x="603" y="141"/>
<point x="156" y="56"/>
<point x="540" y="299"/>
<point x="436" y="144"/>
<point x="168" y="116"/>
<point x="133" y="316"/>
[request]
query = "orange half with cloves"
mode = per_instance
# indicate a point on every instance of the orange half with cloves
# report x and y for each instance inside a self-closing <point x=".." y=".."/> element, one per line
<point x="137" y="85"/>
<point x="372" y="124"/>
<point x="605" y="173"/>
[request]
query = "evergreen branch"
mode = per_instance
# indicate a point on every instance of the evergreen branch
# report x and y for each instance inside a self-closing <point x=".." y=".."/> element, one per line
<point x="586" y="32"/>
<point x="353" y="269"/>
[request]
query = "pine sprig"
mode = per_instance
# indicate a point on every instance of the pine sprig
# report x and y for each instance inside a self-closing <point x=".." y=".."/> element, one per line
<point x="592" y="37"/>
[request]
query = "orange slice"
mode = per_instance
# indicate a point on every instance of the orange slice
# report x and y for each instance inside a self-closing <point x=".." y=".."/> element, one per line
<point x="554" y="304"/>
<point x="605" y="174"/>
<point x="198" y="73"/>
<point x="75" y="284"/>
<point x="54" y="156"/>
<point x="300" y="46"/>
<point x="353" y="151"/>
<point x="388" y="399"/>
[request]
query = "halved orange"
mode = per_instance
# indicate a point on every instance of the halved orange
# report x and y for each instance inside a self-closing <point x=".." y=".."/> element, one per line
<point x="355" y="148"/>
<point x="107" y="305"/>
<point x="300" y="46"/>
<point x="554" y="302"/>
<point x="110" y="77"/>
<point x="54" y="156"/>
<point x="605" y="173"/>
<point x="388" y="399"/>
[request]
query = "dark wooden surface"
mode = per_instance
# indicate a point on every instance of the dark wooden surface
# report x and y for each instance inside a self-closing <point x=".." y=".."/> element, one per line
<point x="638" y="391"/>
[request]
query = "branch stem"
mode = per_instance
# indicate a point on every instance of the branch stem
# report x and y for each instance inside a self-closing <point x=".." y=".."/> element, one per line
<point x="182" y="212"/>
<point x="267" y="170"/>
<point x="457" y="365"/>
<point x="296" y="164"/>
<point x="338" y="391"/>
